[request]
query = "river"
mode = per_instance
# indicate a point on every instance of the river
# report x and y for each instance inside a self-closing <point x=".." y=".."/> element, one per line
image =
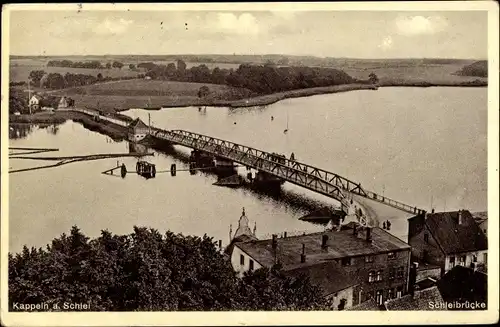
<point x="415" y="145"/>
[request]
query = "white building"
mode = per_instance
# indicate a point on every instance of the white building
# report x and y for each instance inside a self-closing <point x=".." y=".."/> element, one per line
<point x="448" y="239"/>
<point x="34" y="102"/>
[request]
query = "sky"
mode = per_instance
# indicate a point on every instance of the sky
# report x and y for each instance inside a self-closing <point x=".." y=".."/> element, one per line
<point x="353" y="34"/>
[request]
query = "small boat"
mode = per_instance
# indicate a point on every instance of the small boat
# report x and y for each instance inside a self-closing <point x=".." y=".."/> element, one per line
<point x="145" y="169"/>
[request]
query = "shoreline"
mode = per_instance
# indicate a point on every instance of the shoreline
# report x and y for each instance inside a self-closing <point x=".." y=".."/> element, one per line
<point x="58" y="117"/>
<point x="265" y="100"/>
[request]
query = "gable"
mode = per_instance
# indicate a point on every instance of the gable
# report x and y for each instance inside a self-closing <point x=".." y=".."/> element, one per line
<point x="453" y="237"/>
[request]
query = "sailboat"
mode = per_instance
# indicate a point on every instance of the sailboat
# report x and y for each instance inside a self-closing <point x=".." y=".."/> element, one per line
<point x="286" y="130"/>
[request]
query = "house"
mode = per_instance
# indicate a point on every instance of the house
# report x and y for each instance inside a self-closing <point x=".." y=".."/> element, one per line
<point x="481" y="219"/>
<point x="137" y="130"/>
<point x="63" y="103"/>
<point x="418" y="300"/>
<point x="338" y="287"/>
<point x="34" y="102"/>
<point x="447" y="239"/>
<point x="370" y="262"/>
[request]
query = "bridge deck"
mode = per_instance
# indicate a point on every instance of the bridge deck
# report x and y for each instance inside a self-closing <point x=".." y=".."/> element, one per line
<point x="312" y="178"/>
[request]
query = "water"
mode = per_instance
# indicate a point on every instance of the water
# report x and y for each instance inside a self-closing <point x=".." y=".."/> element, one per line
<point x="415" y="145"/>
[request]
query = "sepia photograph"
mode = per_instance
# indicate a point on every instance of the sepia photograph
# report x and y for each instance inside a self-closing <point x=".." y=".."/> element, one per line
<point x="254" y="163"/>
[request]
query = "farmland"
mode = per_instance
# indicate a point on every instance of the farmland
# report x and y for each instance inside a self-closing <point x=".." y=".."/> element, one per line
<point x="138" y="93"/>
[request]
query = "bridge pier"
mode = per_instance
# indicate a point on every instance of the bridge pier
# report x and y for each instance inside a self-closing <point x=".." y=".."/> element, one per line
<point x="265" y="180"/>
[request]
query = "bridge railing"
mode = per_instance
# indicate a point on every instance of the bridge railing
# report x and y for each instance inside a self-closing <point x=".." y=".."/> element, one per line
<point x="257" y="159"/>
<point x="298" y="170"/>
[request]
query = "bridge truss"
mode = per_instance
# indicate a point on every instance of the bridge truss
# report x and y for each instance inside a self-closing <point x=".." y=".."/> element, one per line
<point x="315" y="179"/>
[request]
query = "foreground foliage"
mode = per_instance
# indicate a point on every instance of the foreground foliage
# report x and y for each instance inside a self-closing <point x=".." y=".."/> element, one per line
<point x="146" y="270"/>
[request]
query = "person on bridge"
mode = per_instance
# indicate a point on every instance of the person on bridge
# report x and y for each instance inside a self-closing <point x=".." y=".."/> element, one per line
<point x="292" y="157"/>
<point x="383" y="225"/>
<point x="388" y="225"/>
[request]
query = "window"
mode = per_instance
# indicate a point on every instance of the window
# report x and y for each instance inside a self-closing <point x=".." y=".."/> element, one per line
<point x="342" y="304"/>
<point x="369" y="258"/>
<point x="379" y="275"/>
<point x="391" y="255"/>
<point x="452" y="261"/>
<point x="400" y="272"/>
<point x="399" y="291"/>
<point x="371" y="277"/>
<point x="474" y="258"/>
<point x="461" y="260"/>
<point x="426" y="238"/>
<point x="346" y="261"/>
<point x="392" y="273"/>
<point x="251" y="264"/>
<point x="242" y="259"/>
<point x="379" y="298"/>
<point x="390" y="294"/>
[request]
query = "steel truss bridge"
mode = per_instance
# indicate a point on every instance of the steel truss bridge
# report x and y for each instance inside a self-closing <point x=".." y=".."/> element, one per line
<point x="315" y="179"/>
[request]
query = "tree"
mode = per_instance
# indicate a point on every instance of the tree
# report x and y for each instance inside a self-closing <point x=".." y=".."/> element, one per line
<point x="373" y="78"/>
<point x="17" y="102"/>
<point x="146" y="270"/>
<point x="99" y="77"/>
<point x="203" y="91"/>
<point x="181" y="67"/>
<point x="117" y="64"/>
<point x="35" y="76"/>
<point x="131" y="66"/>
<point x="108" y="65"/>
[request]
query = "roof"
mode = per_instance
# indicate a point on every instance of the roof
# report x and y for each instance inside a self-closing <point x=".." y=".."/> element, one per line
<point x="137" y="123"/>
<point x="340" y="244"/>
<point x="427" y="266"/>
<point x="326" y="275"/>
<point x="36" y="96"/>
<point x="426" y="283"/>
<point x="418" y="303"/>
<point x="454" y="237"/>
<point x="369" y="305"/>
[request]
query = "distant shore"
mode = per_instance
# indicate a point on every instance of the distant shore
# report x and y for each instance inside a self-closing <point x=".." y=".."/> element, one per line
<point x="113" y="106"/>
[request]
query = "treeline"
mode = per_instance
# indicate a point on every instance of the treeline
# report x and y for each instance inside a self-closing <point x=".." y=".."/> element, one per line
<point x="94" y="64"/>
<point x="18" y="101"/>
<point x="148" y="271"/>
<point x="479" y="69"/>
<point x="58" y="81"/>
<point x="262" y="79"/>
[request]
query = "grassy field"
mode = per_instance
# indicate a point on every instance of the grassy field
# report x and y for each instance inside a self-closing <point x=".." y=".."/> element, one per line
<point x="21" y="72"/>
<point x="21" y="68"/>
<point x="139" y="93"/>
<point x="395" y="73"/>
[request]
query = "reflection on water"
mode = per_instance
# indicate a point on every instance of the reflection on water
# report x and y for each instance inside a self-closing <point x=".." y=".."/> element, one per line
<point x="405" y="142"/>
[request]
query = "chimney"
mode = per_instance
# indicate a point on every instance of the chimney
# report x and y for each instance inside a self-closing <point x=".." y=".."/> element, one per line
<point x="412" y="278"/>
<point x="460" y="217"/>
<point x="324" y="242"/>
<point x="432" y="210"/>
<point x="220" y="244"/>
<point x="284" y="234"/>
<point x="369" y="234"/>
<point x="303" y="255"/>
<point x="416" y="292"/>
<point x="275" y="241"/>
